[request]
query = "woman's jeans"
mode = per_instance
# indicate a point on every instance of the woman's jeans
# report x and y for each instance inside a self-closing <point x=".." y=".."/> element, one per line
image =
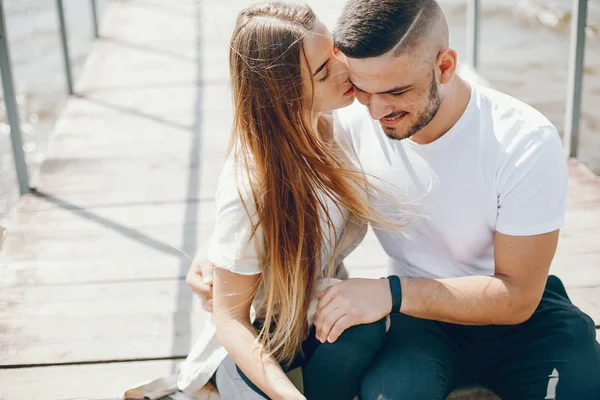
<point x="329" y="370"/>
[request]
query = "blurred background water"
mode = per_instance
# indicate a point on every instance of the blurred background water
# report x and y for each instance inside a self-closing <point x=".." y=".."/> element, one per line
<point x="524" y="52"/>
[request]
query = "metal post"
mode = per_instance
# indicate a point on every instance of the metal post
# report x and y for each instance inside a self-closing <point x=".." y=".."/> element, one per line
<point x="95" y="18"/>
<point x="65" y="44"/>
<point x="473" y="18"/>
<point x="12" y="110"/>
<point x="573" y="112"/>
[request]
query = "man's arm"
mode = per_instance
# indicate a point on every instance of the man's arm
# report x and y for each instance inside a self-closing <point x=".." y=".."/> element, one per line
<point x="509" y="297"/>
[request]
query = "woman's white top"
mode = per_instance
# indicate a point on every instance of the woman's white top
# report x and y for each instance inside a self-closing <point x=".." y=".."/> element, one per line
<point x="232" y="248"/>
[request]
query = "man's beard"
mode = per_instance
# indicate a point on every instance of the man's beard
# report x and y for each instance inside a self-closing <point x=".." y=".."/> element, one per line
<point x="434" y="103"/>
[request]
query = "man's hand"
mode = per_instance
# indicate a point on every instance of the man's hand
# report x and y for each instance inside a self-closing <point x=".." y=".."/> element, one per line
<point x="349" y="303"/>
<point x="200" y="279"/>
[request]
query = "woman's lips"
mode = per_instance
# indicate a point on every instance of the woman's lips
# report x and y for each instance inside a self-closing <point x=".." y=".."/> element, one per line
<point x="350" y="91"/>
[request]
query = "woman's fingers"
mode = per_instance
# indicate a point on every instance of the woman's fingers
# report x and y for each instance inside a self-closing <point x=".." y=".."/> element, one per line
<point x="340" y="326"/>
<point x="199" y="279"/>
<point x="196" y="283"/>
<point x="206" y="270"/>
<point x="324" y="304"/>
<point x="326" y="320"/>
<point x="325" y="298"/>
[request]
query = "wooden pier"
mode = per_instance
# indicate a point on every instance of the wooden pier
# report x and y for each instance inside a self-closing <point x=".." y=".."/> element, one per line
<point x="93" y="297"/>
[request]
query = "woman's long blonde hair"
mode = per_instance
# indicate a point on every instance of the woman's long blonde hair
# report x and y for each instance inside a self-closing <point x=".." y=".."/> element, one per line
<point x="288" y="166"/>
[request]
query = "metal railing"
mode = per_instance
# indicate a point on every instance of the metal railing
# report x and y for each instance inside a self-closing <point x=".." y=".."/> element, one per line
<point x="572" y="116"/>
<point x="473" y="33"/>
<point x="575" y="82"/>
<point x="12" y="110"/>
<point x="576" y="59"/>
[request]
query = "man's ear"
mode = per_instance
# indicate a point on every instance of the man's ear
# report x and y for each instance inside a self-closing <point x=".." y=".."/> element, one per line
<point x="447" y="63"/>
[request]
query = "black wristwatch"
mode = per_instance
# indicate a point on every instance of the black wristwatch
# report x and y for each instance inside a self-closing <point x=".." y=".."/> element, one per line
<point x="396" y="291"/>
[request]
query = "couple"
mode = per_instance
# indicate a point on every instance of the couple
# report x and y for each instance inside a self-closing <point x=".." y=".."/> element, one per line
<point x="465" y="188"/>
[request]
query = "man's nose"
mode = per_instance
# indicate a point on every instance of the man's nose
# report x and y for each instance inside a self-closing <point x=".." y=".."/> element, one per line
<point x="378" y="107"/>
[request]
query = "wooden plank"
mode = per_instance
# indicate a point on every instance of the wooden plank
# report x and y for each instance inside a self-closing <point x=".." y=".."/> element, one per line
<point x="111" y="175"/>
<point x="37" y="256"/>
<point x="576" y="270"/>
<point x="147" y="266"/>
<point x="104" y="381"/>
<point x="99" y="381"/>
<point x="122" y="298"/>
<point x="588" y="300"/>
<point x="134" y="134"/>
<point x="120" y="336"/>
<point x="117" y="234"/>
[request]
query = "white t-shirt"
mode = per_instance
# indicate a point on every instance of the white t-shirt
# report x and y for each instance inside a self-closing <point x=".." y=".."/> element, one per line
<point x="230" y="246"/>
<point x="500" y="168"/>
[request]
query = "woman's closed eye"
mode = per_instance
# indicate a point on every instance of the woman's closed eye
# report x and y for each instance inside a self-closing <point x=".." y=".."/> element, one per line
<point x="324" y="78"/>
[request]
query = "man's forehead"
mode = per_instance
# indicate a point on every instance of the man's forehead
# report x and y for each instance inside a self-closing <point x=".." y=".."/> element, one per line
<point x="377" y="73"/>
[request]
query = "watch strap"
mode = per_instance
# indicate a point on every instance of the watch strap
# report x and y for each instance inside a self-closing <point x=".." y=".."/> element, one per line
<point x="396" y="291"/>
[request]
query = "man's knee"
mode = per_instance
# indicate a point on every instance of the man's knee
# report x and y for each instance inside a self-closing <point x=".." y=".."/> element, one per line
<point x="405" y="386"/>
<point x="578" y="377"/>
<point x="581" y="391"/>
<point x="573" y="374"/>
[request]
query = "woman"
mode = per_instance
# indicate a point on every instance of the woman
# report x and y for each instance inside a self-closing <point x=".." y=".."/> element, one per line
<point x="290" y="207"/>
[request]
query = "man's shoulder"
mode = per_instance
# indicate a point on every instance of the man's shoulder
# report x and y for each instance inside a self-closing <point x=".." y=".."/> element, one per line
<point x="523" y="138"/>
<point x="506" y="108"/>
<point x="510" y="119"/>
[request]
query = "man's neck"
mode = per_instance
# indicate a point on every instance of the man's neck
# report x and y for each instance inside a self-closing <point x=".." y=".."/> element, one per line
<point x="455" y="101"/>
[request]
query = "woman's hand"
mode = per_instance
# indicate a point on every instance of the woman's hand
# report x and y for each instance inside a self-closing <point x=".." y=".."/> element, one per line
<point x="349" y="303"/>
<point x="200" y="279"/>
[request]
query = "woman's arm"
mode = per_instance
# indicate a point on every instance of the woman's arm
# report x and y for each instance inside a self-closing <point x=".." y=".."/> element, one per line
<point x="233" y="295"/>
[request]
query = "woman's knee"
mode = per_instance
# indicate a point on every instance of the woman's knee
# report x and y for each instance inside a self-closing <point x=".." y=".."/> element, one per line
<point x="232" y="385"/>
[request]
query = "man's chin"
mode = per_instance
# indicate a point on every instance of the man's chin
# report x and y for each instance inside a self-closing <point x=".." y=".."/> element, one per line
<point x="394" y="133"/>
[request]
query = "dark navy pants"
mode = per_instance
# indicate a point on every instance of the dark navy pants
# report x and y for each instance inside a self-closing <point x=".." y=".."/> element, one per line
<point x="329" y="370"/>
<point x="554" y="355"/>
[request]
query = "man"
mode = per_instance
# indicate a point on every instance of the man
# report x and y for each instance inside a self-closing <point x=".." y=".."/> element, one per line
<point x="488" y="181"/>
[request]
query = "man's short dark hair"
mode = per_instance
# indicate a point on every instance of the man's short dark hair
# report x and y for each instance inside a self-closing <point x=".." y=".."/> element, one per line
<point x="370" y="28"/>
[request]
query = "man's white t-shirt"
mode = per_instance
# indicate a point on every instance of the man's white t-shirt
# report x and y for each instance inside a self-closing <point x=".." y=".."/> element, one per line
<point x="501" y="168"/>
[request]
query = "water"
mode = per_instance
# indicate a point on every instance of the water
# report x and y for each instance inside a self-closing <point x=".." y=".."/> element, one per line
<point x="525" y="46"/>
<point x="524" y="52"/>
